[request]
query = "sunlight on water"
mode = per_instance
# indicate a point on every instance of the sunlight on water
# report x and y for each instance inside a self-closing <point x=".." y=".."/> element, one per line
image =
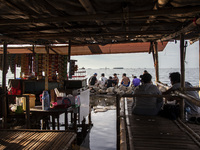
<point x="103" y="133"/>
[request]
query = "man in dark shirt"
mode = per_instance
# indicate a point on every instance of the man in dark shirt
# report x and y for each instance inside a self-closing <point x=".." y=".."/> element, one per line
<point x="93" y="79"/>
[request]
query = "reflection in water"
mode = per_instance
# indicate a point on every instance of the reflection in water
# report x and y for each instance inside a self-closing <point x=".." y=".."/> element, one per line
<point x="102" y="135"/>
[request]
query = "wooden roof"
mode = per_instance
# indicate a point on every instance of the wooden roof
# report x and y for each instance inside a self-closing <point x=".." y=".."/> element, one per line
<point x="97" y="23"/>
<point x="88" y="49"/>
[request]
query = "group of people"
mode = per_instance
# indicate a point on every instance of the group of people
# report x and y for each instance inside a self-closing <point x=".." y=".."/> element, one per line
<point x="154" y="105"/>
<point x="144" y="85"/>
<point x="103" y="82"/>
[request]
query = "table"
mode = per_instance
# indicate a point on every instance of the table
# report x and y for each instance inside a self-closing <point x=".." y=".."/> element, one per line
<point x="38" y="113"/>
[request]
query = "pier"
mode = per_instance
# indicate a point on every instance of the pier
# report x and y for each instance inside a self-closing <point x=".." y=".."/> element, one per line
<point x="152" y="132"/>
<point x="36" y="139"/>
<point x="41" y="36"/>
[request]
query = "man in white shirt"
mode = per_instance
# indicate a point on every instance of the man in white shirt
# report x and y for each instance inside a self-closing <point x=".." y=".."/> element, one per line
<point x="102" y="81"/>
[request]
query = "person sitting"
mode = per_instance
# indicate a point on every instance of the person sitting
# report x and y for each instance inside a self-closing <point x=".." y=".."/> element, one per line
<point x="125" y="80"/>
<point x="147" y="106"/>
<point x="93" y="80"/>
<point x="102" y="81"/>
<point x="115" y="79"/>
<point x="110" y="82"/>
<point x="136" y="81"/>
<point x="176" y="85"/>
<point x="145" y="72"/>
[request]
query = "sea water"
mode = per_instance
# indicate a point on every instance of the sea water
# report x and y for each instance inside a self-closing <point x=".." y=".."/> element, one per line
<point x="102" y="135"/>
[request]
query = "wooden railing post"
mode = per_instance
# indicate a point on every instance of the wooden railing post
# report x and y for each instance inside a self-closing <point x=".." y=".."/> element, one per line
<point x="118" y="120"/>
<point x="4" y="106"/>
<point x="182" y="59"/>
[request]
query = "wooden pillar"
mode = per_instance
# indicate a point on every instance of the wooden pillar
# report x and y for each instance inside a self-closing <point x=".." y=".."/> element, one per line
<point x="27" y="116"/>
<point x="156" y="61"/>
<point x="182" y="59"/>
<point x="69" y="51"/>
<point x="69" y="58"/>
<point x="4" y="107"/>
<point x="15" y="72"/>
<point x="47" y="68"/>
<point x="66" y="120"/>
<point x="199" y="64"/>
<point x="118" y="120"/>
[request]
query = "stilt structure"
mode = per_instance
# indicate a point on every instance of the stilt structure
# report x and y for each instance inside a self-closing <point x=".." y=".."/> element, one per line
<point x="156" y="65"/>
<point x="47" y="68"/>
<point x="4" y="107"/>
<point x="182" y="60"/>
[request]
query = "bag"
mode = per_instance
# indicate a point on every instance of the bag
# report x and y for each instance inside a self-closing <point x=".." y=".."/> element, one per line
<point x="170" y="111"/>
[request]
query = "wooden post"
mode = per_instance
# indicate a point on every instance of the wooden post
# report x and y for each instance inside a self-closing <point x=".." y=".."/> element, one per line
<point x="53" y="122"/>
<point x="47" y="68"/>
<point x="89" y="117"/>
<point x="58" y="122"/>
<point x="69" y="51"/>
<point x="182" y="56"/>
<point x="15" y="72"/>
<point x="75" y="122"/>
<point x="69" y="58"/>
<point x="66" y="120"/>
<point x="118" y="120"/>
<point x="4" y="107"/>
<point x="156" y="61"/>
<point x="27" y="113"/>
<point x="199" y="64"/>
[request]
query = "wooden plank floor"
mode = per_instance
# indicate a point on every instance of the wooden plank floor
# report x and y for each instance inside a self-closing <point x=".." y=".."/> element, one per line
<point x="154" y="132"/>
<point x="32" y="139"/>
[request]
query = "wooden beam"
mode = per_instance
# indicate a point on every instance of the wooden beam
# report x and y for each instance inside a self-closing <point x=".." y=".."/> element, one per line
<point x="47" y="69"/>
<point x="89" y="34"/>
<point x="78" y="27"/>
<point x="105" y="17"/>
<point x="11" y="39"/>
<point x="182" y="56"/>
<point x="95" y="49"/>
<point x="184" y="30"/>
<point x="156" y="62"/>
<point x="4" y="105"/>
<point x="199" y="64"/>
<point x="53" y="50"/>
<point x="88" y="6"/>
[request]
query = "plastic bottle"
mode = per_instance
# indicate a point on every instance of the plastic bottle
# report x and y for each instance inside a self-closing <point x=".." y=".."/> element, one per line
<point x="45" y="100"/>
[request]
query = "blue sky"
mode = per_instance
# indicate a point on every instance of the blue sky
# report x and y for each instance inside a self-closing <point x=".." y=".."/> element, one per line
<point x="169" y="58"/>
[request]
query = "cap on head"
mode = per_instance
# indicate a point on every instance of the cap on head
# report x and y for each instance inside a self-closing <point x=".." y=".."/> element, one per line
<point x="95" y="73"/>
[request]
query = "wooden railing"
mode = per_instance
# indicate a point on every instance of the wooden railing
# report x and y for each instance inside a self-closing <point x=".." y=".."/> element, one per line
<point x="176" y="93"/>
